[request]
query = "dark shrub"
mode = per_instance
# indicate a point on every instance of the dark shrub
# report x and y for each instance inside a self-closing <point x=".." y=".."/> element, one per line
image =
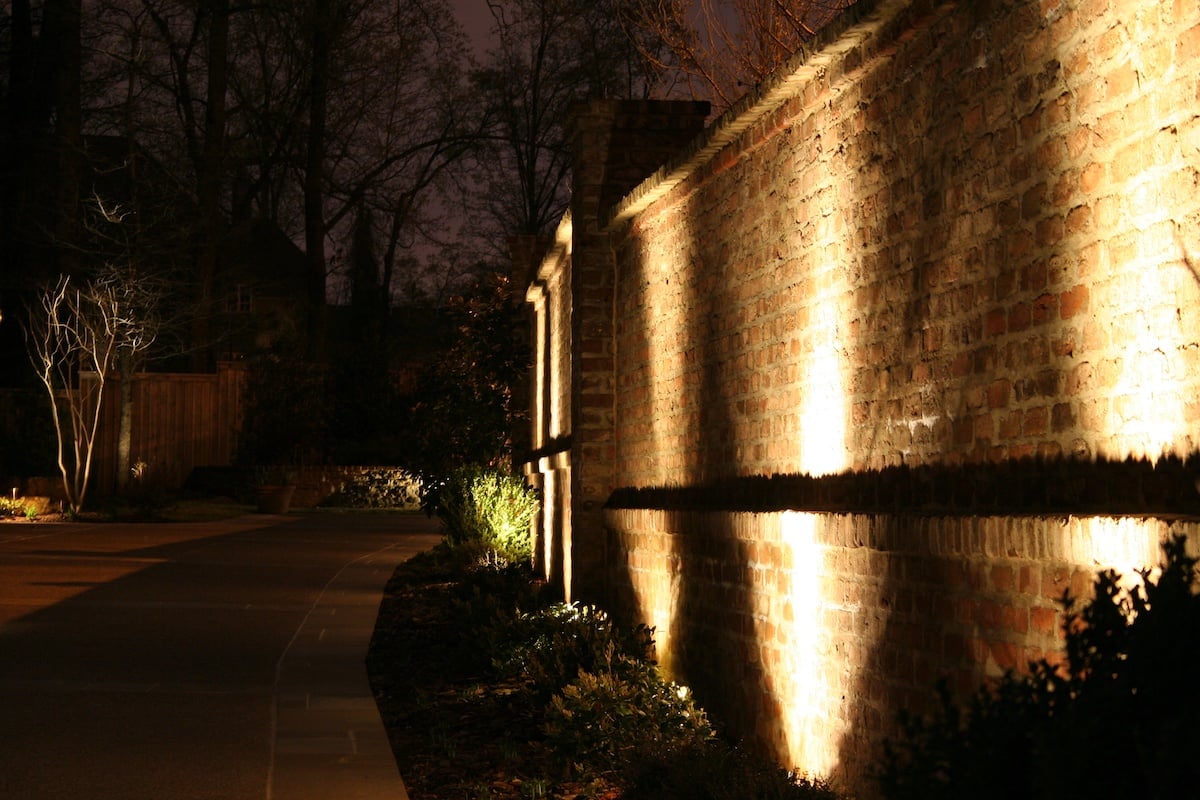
<point x="1117" y="719"/>
<point x="551" y="646"/>
<point x="602" y="720"/>
<point x="715" y="770"/>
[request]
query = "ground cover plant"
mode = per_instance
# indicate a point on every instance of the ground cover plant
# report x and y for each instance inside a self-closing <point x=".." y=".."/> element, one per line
<point x="490" y="687"/>
<point x="1117" y="718"/>
<point x="487" y="507"/>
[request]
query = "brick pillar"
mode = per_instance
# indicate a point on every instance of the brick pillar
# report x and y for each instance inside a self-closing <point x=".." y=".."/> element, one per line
<point x="525" y="253"/>
<point x="616" y="144"/>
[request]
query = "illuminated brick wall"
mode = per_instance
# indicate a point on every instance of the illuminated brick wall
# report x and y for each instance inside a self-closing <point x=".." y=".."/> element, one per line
<point x="900" y="348"/>
<point x="615" y="146"/>
<point x="962" y="238"/>
<point x="808" y="632"/>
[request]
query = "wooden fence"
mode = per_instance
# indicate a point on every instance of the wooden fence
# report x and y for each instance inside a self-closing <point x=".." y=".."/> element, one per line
<point x="180" y="421"/>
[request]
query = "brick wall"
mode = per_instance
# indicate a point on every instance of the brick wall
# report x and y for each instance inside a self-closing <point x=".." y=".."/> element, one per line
<point x="808" y="632"/>
<point x="966" y="237"/>
<point x="898" y="348"/>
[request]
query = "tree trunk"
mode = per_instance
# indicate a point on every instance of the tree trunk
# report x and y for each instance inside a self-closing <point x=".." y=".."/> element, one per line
<point x="212" y="224"/>
<point x="125" y="423"/>
<point x="62" y="37"/>
<point x="314" y="201"/>
<point x="17" y="139"/>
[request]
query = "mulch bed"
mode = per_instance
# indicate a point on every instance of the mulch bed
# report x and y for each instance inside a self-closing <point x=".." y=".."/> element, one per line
<point x="457" y="732"/>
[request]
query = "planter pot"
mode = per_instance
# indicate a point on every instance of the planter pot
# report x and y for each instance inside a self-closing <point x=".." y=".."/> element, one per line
<point x="274" y="499"/>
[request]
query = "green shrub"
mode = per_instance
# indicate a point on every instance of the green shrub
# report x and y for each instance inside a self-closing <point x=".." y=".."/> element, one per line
<point x="378" y="487"/>
<point x="11" y="507"/>
<point x="479" y="504"/>
<point x="551" y="646"/>
<point x="492" y="594"/>
<point x="604" y="719"/>
<point x="1116" y="720"/>
<point x="607" y="716"/>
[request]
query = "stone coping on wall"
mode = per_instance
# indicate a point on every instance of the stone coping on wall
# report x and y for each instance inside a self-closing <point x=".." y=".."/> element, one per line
<point x="1167" y="487"/>
<point x="848" y="42"/>
<point x="558" y="250"/>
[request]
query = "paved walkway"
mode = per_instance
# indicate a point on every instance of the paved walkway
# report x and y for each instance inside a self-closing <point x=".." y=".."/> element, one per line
<point x="329" y="740"/>
<point x="205" y="660"/>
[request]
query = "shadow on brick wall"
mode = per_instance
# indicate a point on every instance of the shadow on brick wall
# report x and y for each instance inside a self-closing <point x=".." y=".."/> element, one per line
<point x="1027" y="486"/>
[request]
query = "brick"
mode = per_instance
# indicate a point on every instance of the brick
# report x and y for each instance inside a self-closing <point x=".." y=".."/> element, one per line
<point x="1033" y="201"/>
<point x="1043" y="620"/>
<point x="1049" y="231"/>
<point x="997" y="322"/>
<point x="1045" y="308"/>
<point x="1036" y="422"/>
<point x="1033" y="277"/>
<point x="998" y="393"/>
<point x="1079" y="219"/>
<point x="1091" y="178"/>
<point x="1074" y="301"/>
<point x="1121" y="81"/>
<point x="1188" y="46"/>
<point x="1002" y="578"/>
<point x="1062" y="417"/>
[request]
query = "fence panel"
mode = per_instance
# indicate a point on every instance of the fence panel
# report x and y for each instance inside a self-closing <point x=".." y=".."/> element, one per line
<point x="179" y="421"/>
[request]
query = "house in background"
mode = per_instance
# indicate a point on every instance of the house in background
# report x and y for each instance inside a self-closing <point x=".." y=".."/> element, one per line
<point x="260" y="290"/>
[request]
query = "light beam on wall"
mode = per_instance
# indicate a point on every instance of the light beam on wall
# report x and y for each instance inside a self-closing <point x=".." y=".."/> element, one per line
<point x="1154" y="342"/>
<point x="560" y="322"/>
<point x="803" y="685"/>
<point x="823" y="407"/>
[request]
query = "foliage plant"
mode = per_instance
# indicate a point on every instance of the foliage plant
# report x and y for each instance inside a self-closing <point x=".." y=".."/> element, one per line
<point x="378" y="487"/>
<point x="604" y="718"/>
<point x="488" y="604"/>
<point x="11" y="507"/>
<point x="469" y="403"/>
<point x="489" y="506"/>
<point x="529" y="690"/>
<point x="286" y="408"/>
<point x="552" y="646"/>
<point x="1117" y="718"/>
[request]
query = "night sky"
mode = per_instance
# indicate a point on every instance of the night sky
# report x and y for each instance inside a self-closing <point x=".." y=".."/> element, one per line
<point x="477" y="19"/>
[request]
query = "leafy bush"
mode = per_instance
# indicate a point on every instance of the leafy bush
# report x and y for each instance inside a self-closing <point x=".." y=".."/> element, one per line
<point x="492" y="595"/>
<point x="603" y="719"/>
<point x="480" y="504"/>
<point x="11" y="507"/>
<point x="469" y="401"/>
<point x="1117" y="719"/>
<point x="285" y="414"/>
<point x="378" y="487"/>
<point x="552" y="646"/>
<point x="578" y="696"/>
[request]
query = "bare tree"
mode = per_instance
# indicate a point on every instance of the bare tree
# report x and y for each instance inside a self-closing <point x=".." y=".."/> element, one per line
<point x="333" y="105"/>
<point x="549" y="56"/>
<point x="139" y="275"/>
<point x="294" y="112"/>
<point x="719" y="49"/>
<point x="398" y="115"/>
<point x="75" y="337"/>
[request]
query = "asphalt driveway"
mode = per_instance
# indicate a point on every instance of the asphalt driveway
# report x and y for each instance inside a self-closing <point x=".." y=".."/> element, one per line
<point x="196" y="660"/>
